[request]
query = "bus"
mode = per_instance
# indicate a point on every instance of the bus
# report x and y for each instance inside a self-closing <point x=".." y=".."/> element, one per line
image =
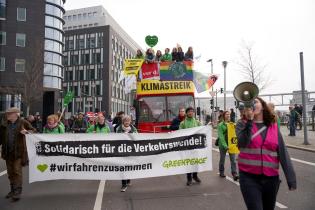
<point x="158" y="101"/>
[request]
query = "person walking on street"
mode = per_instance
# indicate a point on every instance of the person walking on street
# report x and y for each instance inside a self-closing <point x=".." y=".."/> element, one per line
<point x="227" y="143"/>
<point x="53" y="126"/>
<point x="232" y="115"/>
<point x="190" y="122"/>
<point x="177" y="120"/>
<point x="101" y="125"/>
<point x="126" y="127"/>
<point x="80" y="124"/>
<point x="14" y="151"/>
<point x="262" y="150"/>
<point x="292" y="120"/>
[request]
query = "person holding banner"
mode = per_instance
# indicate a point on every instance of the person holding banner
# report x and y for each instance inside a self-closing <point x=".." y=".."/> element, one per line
<point x="176" y="121"/>
<point x="80" y="124"/>
<point x="126" y="127"/>
<point x="262" y="150"/>
<point x="149" y="56"/>
<point x="190" y="122"/>
<point x="101" y="125"/>
<point x="14" y="151"/>
<point x="53" y="126"/>
<point x="227" y="143"/>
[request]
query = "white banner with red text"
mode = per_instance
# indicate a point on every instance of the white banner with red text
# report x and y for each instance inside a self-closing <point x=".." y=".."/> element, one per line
<point x="118" y="156"/>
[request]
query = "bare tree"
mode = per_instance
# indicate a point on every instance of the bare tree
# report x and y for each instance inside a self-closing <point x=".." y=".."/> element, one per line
<point x="30" y="85"/>
<point x="250" y="66"/>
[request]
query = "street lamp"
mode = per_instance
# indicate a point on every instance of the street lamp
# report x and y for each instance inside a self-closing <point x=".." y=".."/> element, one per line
<point x="210" y="60"/>
<point x="224" y="63"/>
<point x="93" y="95"/>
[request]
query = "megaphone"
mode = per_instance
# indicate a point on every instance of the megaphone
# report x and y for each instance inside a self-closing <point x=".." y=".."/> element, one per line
<point x="246" y="92"/>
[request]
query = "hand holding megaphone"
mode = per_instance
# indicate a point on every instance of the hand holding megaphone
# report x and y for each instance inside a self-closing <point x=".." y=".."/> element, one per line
<point x="246" y="92"/>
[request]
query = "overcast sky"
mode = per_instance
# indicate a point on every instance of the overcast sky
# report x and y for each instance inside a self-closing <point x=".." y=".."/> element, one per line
<point x="280" y="30"/>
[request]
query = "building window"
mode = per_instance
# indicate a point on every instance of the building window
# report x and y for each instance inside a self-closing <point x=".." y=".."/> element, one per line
<point x="91" y="43"/>
<point x="19" y="65"/>
<point x="2" y="9"/>
<point x="21" y="14"/>
<point x="81" y="43"/>
<point x="20" y="40"/>
<point x="3" y="38"/>
<point x="2" y="63"/>
<point x="71" y="44"/>
<point x="74" y="60"/>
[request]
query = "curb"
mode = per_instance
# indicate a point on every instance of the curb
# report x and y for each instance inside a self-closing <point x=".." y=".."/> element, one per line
<point x="300" y="148"/>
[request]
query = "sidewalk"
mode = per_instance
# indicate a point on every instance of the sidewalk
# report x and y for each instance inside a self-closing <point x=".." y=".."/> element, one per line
<point x="294" y="141"/>
<point x="298" y="140"/>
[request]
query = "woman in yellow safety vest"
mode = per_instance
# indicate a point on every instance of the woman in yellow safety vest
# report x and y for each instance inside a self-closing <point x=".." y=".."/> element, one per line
<point x="227" y="143"/>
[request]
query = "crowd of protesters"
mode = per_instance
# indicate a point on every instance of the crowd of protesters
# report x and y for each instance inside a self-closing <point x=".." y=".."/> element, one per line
<point x="255" y="135"/>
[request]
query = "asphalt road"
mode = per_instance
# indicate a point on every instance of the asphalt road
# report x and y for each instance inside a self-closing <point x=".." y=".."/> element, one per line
<point x="158" y="193"/>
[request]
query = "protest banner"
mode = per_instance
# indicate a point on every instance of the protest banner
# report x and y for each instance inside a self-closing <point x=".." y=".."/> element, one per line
<point x="150" y="71"/>
<point x="118" y="156"/>
<point x="132" y="66"/>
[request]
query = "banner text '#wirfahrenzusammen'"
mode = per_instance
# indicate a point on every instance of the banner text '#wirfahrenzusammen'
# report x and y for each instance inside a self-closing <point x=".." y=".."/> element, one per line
<point x="120" y="148"/>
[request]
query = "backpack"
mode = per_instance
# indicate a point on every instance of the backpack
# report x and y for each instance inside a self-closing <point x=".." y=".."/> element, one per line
<point x="297" y="116"/>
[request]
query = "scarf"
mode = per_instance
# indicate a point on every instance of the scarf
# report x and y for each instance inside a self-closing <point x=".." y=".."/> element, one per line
<point x="181" y="118"/>
<point x="126" y="129"/>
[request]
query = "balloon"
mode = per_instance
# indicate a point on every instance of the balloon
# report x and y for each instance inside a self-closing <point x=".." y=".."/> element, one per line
<point x="151" y="40"/>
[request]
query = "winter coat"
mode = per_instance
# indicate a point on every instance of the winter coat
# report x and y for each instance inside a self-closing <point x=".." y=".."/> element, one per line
<point x="189" y="123"/>
<point x="120" y="130"/>
<point x="175" y="124"/>
<point x="59" y="129"/>
<point x="97" y="129"/>
<point x="20" y="150"/>
<point x="166" y="57"/>
<point x="222" y="133"/>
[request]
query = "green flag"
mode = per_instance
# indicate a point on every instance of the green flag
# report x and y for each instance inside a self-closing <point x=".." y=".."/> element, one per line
<point x="68" y="98"/>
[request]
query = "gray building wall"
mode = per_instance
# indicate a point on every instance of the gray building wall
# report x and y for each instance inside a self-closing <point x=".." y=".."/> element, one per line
<point x="12" y="87"/>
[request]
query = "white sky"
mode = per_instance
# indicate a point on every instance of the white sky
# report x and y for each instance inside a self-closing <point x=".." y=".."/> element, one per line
<point x="280" y="30"/>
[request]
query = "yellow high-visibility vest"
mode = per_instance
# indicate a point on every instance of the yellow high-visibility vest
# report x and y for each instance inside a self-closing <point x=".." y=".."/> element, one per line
<point x="232" y="138"/>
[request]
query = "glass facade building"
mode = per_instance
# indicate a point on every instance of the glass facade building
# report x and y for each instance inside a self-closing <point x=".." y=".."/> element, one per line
<point x="53" y="73"/>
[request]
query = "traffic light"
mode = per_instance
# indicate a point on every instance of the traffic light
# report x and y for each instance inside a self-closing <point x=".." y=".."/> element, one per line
<point x="221" y="90"/>
<point x="211" y="102"/>
<point x="198" y="110"/>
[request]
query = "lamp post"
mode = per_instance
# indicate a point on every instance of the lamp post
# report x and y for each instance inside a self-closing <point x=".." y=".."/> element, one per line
<point x="224" y="63"/>
<point x="93" y="95"/>
<point x="211" y="61"/>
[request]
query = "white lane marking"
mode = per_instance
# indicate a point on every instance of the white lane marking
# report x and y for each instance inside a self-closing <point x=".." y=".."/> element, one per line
<point x="231" y="180"/>
<point x="99" y="197"/>
<point x="3" y="173"/>
<point x="281" y="206"/>
<point x="303" y="161"/>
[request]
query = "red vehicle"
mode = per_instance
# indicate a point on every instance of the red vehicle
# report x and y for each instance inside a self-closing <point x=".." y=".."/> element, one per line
<point x="158" y="102"/>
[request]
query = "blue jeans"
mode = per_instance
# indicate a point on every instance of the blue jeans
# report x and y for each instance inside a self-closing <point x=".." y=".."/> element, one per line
<point x="222" y="162"/>
<point x="259" y="191"/>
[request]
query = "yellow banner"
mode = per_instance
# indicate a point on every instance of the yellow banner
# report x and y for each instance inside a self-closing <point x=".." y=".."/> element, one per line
<point x="152" y="87"/>
<point x="232" y="139"/>
<point x="132" y="66"/>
